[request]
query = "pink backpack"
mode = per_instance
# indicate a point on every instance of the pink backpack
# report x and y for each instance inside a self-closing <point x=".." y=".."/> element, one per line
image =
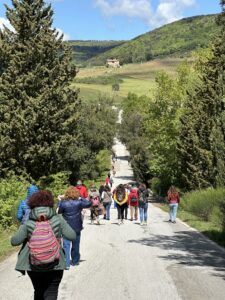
<point x="95" y="201"/>
<point x="43" y="246"/>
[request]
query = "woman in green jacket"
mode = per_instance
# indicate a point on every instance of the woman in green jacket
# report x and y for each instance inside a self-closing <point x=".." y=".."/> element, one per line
<point x="45" y="281"/>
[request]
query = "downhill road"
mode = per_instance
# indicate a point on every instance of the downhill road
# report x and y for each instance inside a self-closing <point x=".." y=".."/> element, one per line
<point x="158" y="262"/>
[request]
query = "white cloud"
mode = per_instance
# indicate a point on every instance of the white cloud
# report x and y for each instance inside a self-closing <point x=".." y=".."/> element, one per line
<point x="5" y="22"/>
<point x="130" y="8"/>
<point x="167" y="10"/>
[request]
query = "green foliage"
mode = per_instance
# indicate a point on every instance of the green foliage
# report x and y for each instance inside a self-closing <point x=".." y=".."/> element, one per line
<point x="5" y="245"/>
<point x="202" y="137"/>
<point x="131" y="133"/>
<point x="156" y="185"/>
<point x="116" y="87"/>
<point x="38" y="109"/>
<point x="222" y="213"/>
<point x="56" y="183"/>
<point x="97" y="127"/>
<point x="103" y="161"/>
<point x="100" y="80"/>
<point x="176" y="39"/>
<point x="205" y="204"/>
<point x="150" y="127"/>
<point x="12" y="190"/>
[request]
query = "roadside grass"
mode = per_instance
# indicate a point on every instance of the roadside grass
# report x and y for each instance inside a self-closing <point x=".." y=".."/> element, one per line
<point x="209" y="229"/>
<point x="5" y="246"/>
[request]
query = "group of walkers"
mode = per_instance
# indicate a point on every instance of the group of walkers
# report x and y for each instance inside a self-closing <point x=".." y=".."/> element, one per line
<point x="51" y="237"/>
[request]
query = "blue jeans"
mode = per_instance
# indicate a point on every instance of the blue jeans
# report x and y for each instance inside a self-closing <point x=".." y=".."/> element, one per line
<point x="173" y="211"/>
<point x="107" y="209"/>
<point x="75" y="250"/>
<point x="143" y="212"/>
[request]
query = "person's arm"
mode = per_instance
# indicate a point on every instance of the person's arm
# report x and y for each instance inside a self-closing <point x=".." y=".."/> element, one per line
<point x="103" y="194"/>
<point x="19" y="214"/>
<point x="85" y="203"/>
<point x="67" y="231"/>
<point x="60" y="208"/>
<point x="20" y="236"/>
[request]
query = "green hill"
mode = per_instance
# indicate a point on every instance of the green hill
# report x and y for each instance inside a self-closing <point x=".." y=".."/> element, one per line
<point x="84" y="50"/>
<point x="177" y="39"/>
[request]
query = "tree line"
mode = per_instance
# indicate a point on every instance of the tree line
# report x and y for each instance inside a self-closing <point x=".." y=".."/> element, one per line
<point x="45" y="127"/>
<point x="177" y="136"/>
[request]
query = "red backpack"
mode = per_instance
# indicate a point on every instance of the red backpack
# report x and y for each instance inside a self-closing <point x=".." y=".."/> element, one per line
<point x="44" y="247"/>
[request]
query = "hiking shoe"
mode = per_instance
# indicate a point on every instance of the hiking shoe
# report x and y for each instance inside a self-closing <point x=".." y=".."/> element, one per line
<point x="174" y="222"/>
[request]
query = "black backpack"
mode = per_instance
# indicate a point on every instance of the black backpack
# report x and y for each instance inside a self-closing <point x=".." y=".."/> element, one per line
<point x="120" y="194"/>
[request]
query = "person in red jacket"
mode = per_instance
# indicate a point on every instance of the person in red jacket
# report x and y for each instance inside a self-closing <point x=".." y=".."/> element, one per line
<point x="82" y="189"/>
<point x="133" y="203"/>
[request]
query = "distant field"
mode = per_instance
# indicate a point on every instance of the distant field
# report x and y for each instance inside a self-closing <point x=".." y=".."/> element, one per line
<point x="137" y="78"/>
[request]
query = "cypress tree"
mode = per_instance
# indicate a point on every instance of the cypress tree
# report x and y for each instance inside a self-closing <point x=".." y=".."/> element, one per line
<point x="38" y="109"/>
<point x="201" y="146"/>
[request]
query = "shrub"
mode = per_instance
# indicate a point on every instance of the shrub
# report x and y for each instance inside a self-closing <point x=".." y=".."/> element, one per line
<point x="103" y="161"/>
<point x="116" y="87"/>
<point x="56" y="183"/>
<point x="12" y="190"/>
<point x="156" y="185"/>
<point x="100" y="80"/>
<point x="222" y="210"/>
<point x="203" y="203"/>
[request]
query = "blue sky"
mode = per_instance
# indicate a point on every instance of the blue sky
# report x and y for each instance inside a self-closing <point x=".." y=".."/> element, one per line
<point x="118" y="19"/>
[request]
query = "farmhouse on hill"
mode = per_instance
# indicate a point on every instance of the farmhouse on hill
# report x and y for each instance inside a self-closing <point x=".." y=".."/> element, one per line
<point x="114" y="63"/>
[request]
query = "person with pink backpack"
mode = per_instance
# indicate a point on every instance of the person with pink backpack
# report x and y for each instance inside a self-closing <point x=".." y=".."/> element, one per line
<point x="95" y="206"/>
<point x="41" y="255"/>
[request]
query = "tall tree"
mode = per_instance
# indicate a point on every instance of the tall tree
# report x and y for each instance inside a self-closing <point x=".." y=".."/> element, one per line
<point x="38" y="109"/>
<point x="202" y="140"/>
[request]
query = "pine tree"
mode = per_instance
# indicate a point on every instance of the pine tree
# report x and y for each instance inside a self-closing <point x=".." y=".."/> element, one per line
<point x="38" y="109"/>
<point x="202" y="140"/>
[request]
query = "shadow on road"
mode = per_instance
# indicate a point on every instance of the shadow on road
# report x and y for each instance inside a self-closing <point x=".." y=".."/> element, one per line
<point x="125" y="177"/>
<point x="126" y="157"/>
<point x="197" y="250"/>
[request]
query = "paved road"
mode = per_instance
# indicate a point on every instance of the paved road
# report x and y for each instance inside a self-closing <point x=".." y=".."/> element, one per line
<point x="129" y="262"/>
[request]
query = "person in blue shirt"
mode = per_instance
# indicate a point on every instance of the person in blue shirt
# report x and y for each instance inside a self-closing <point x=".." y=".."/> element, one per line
<point x="71" y="206"/>
<point x="23" y="209"/>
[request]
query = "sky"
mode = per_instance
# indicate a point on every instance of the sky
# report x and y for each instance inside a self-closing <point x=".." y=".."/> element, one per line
<point x="118" y="19"/>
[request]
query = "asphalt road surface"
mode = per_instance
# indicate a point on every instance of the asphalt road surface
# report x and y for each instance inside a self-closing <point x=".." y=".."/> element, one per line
<point x="158" y="262"/>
